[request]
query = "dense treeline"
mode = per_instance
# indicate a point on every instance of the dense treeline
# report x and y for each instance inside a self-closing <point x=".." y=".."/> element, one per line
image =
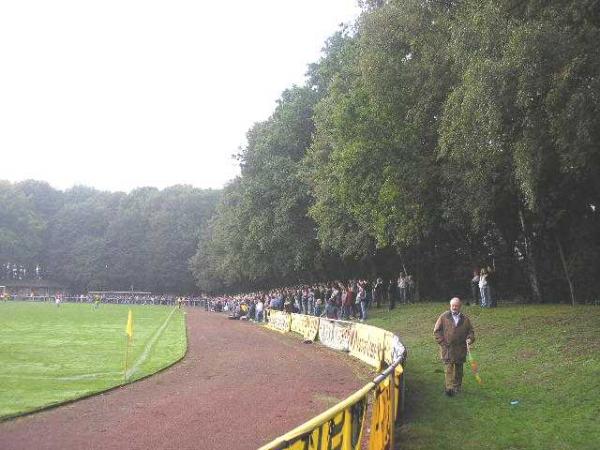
<point x="87" y="239"/>
<point x="438" y="136"/>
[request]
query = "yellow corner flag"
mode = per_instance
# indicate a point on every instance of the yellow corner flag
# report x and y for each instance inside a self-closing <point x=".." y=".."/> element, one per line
<point x="129" y="327"/>
<point x="129" y="333"/>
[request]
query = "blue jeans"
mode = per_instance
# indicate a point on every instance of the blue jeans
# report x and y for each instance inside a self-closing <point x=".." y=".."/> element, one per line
<point x="486" y="296"/>
<point x="304" y="306"/>
<point x="363" y="309"/>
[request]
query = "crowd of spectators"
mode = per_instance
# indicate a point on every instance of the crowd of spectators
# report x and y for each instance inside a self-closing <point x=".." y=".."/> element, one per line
<point x="349" y="300"/>
<point x="342" y="300"/>
<point x="121" y="299"/>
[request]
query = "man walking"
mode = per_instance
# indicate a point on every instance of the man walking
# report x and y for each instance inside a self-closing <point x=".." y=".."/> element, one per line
<point x="453" y="331"/>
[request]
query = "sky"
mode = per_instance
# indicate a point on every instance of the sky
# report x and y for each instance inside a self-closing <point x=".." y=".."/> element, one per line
<point x="122" y="94"/>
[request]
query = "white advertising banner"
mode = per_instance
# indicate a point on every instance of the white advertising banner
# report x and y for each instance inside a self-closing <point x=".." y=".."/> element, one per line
<point x="335" y="334"/>
<point x="279" y="321"/>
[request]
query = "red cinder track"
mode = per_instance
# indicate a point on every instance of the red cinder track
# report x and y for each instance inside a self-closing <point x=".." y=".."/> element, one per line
<point x="239" y="387"/>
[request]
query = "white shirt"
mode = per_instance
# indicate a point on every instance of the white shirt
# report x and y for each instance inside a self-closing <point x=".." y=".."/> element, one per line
<point x="483" y="281"/>
<point x="456" y="318"/>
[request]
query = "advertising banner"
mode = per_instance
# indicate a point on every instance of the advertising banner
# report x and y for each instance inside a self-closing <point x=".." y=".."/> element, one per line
<point x="392" y="348"/>
<point x="335" y="334"/>
<point x="307" y="326"/>
<point x="366" y="344"/>
<point x="341" y="426"/>
<point x="279" y="321"/>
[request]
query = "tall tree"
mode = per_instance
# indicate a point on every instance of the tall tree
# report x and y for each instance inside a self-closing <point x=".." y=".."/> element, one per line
<point x="507" y="146"/>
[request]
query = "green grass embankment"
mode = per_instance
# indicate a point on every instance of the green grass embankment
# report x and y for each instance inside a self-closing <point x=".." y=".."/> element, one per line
<point x="546" y="357"/>
<point x="50" y="355"/>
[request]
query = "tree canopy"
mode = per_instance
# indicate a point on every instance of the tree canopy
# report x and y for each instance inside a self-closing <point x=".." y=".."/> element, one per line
<point x="432" y="136"/>
<point x="88" y="239"/>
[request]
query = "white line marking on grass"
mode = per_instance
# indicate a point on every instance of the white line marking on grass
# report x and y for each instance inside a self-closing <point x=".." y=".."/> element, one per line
<point x="65" y="378"/>
<point x="90" y="375"/>
<point x="149" y="347"/>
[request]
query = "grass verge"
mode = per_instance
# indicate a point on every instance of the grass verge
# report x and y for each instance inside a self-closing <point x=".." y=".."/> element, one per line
<point x="545" y="357"/>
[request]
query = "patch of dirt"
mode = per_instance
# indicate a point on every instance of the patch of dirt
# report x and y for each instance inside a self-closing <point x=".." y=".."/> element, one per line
<point x="238" y="387"/>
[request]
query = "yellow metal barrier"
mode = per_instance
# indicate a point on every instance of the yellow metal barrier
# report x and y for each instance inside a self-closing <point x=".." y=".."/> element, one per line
<point x="341" y="426"/>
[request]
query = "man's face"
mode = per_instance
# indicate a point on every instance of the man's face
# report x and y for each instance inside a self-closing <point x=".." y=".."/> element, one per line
<point x="455" y="306"/>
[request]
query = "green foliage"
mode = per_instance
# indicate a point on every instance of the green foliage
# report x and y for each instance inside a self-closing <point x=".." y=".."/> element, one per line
<point x="261" y="230"/>
<point x="90" y="240"/>
<point x="21" y="227"/>
<point x="439" y="135"/>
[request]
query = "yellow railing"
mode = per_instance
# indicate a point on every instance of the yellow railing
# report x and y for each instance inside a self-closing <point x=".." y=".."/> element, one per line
<point x="341" y="427"/>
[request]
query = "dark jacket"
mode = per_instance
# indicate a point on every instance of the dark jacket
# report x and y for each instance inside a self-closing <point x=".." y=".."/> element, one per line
<point x="453" y="338"/>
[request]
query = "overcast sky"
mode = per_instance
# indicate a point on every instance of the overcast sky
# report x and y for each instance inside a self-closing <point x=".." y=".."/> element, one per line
<point x="129" y="93"/>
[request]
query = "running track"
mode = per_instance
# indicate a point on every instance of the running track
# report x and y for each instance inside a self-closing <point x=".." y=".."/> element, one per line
<point x="238" y="387"/>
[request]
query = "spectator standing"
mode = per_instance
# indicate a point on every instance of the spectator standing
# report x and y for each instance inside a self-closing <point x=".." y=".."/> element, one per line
<point x="350" y="297"/>
<point x="331" y="309"/>
<point x="297" y="296"/>
<point x="475" y="287"/>
<point x="311" y="301"/>
<point x="327" y="292"/>
<point x="259" y="310"/>
<point x="378" y="292"/>
<point x="484" y="289"/>
<point x="402" y="287"/>
<point x="319" y="307"/>
<point x="277" y="302"/>
<point x="345" y="302"/>
<point x="368" y="292"/>
<point x="362" y="300"/>
<point x="392" y="294"/>
<point x="319" y="295"/>
<point x="336" y="294"/>
<point x="356" y="304"/>
<point x="305" y="309"/>
<point x="252" y="310"/>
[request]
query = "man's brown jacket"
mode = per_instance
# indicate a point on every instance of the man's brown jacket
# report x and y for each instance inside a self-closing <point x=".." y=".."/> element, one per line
<point x="453" y="338"/>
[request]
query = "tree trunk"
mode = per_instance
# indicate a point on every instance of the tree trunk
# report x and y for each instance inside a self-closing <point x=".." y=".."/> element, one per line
<point x="564" y="264"/>
<point x="417" y="277"/>
<point x="530" y="259"/>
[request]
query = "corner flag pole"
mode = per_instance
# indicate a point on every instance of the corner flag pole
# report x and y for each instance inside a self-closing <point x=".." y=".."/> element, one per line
<point x="129" y="334"/>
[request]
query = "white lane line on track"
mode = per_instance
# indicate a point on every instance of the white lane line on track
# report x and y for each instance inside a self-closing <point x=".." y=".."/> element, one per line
<point x="149" y="346"/>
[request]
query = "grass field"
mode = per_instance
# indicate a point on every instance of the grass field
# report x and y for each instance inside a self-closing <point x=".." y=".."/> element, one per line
<point x="545" y="357"/>
<point x="49" y="355"/>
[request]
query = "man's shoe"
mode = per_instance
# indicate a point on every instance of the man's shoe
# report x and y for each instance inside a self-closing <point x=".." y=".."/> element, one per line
<point x="449" y="392"/>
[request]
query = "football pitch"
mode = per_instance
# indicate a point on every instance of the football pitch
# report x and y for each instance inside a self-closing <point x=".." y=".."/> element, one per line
<point x="50" y="354"/>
